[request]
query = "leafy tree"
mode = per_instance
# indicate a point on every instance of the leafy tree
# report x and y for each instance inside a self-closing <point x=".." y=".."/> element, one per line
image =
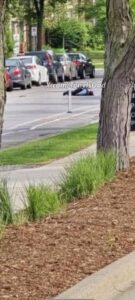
<point x="118" y="78"/>
<point x="96" y="15"/>
<point x="71" y="33"/>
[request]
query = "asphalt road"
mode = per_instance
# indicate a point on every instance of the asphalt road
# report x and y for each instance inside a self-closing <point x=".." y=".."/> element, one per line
<point x="43" y="111"/>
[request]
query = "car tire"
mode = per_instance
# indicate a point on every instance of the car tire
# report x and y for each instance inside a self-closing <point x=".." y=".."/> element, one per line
<point x="62" y="77"/>
<point x="83" y="75"/>
<point x="39" y="80"/>
<point x="29" y="86"/>
<point x="92" y="75"/>
<point x="55" y="78"/>
<point x="69" y="78"/>
<point x="10" y="89"/>
<point x="24" y="86"/>
<point x="76" y="75"/>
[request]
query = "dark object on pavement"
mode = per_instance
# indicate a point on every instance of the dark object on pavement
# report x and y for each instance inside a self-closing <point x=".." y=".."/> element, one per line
<point x="80" y="91"/>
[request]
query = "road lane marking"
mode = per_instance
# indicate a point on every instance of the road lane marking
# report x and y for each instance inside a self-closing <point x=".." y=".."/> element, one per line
<point x="59" y="119"/>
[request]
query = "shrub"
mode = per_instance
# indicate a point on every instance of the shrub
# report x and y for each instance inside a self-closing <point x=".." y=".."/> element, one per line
<point x="6" y="211"/>
<point x="86" y="175"/>
<point x="41" y="200"/>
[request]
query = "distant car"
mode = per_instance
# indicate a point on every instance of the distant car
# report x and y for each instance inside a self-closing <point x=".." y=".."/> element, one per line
<point x="39" y="73"/>
<point x="8" y="81"/>
<point x="55" y="68"/>
<point x="70" y="68"/>
<point x="20" y="76"/>
<point x="84" y="65"/>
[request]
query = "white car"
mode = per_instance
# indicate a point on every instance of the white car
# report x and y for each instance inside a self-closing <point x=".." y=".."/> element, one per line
<point x="39" y="73"/>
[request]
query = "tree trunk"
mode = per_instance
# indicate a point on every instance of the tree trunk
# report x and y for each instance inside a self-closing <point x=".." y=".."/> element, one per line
<point x="2" y="81"/>
<point x="39" y="6"/>
<point x="114" y="120"/>
<point x="39" y="31"/>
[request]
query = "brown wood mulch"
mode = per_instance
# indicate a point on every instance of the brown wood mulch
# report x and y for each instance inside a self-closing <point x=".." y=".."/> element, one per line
<point x="38" y="261"/>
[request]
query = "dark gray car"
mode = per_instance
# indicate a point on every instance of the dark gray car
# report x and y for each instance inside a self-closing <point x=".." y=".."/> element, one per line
<point x="21" y="77"/>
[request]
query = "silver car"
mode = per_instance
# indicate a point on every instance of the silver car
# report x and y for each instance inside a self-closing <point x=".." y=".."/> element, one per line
<point x="21" y="77"/>
<point x="70" y="69"/>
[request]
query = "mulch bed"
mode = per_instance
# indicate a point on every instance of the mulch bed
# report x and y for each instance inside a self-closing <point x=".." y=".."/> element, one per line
<point x="38" y="261"/>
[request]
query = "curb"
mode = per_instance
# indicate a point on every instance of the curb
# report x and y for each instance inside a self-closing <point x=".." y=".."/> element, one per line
<point x="106" y="283"/>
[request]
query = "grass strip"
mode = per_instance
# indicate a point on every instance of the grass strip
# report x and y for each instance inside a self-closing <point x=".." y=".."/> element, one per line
<point x="46" y="150"/>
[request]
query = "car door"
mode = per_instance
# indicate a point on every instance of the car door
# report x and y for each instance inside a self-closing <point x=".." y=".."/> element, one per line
<point x="86" y="64"/>
<point x="25" y="73"/>
<point x="69" y="66"/>
<point x="23" y="70"/>
<point x="73" y="67"/>
<point x="40" y="69"/>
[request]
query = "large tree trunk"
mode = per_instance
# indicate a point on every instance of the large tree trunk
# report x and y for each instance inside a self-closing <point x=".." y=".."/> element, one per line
<point x="2" y="81"/>
<point x="117" y="83"/>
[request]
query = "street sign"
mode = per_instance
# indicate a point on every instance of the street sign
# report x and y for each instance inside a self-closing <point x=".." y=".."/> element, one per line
<point x="34" y="31"/>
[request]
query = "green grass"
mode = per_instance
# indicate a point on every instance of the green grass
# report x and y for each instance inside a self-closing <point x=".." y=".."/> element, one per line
<point x="45" y="150"/>
<point x="79" y="180"/>
<point x="86" y="175"/>
<point x="6" y="211"/>
<point x="97" y="57"/>
<point x="41" y="201"/>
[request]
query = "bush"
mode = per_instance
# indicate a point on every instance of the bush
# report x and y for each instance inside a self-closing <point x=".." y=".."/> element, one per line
<point x="41" y="201"/>
<point x="86" y="175"/>
<point x="6" y="211"/>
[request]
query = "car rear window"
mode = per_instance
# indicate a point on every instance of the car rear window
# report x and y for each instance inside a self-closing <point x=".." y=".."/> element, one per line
<point x="41" y="55"/>
<point x="27" y="60"/>
<point x="10" y="62"/>
<point x="74" y="56"/>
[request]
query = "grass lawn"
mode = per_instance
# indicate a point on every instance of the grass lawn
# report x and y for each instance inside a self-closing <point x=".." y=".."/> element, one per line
<point x="45" y="150"/>
<point x="97" y="57"/>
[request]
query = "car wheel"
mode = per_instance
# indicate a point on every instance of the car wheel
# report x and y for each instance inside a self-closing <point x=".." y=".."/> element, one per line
<point x="24" y="86"/>
<point x="76" y="75"/>
<point x="29" y="85"/>
<point x="69" y="78"/>
<point x="10" y="89"/>
<point x="92" y="75"/>
<point x="83" y="75"/>
<point x="39" y="80"/>
<point x="62" y="77"/>
<point x="55" y="77"/>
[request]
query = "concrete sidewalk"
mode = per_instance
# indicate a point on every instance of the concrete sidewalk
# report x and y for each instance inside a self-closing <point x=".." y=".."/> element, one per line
<point x="18" y="178"/>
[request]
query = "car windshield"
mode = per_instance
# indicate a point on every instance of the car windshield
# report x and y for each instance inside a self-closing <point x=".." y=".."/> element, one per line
<point x="10" y="62"/>
<point x="41" y="55"/>
<point x="73" y="56"/>
<point x="27" y="60"/>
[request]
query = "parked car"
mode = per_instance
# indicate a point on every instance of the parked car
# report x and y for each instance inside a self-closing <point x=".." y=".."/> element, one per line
<point x="55" y="68"/>
<point x="84" y="65"/>
<point x="39" y="73"/>
<point x="8" y="81"/>
<point x="70" y="68"/>
<point x="21" y="77"/>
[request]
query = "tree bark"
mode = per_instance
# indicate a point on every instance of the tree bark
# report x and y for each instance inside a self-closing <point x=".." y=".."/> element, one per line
<point x="39" y="6"/>
<point x="114" y="123"/>
<point x="2" y="81"/>
<point x="39" y="31"/>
